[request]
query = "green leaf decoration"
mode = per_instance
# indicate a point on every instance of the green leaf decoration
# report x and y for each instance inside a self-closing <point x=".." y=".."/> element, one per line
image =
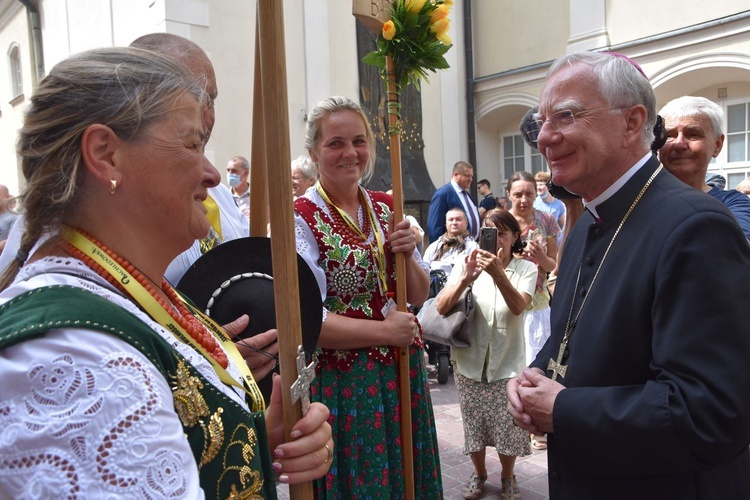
<point x="418" y="40"/>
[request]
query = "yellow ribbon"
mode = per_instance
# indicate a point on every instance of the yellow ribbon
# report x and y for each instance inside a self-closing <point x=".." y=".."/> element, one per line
<point x="215" y="235"/>
<point x="153" y="308"/>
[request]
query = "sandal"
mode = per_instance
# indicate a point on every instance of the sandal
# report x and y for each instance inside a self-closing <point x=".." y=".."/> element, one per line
<point x="473" y="488"/>
<point x="510" y="489"/>
<point x="539" y="444"/>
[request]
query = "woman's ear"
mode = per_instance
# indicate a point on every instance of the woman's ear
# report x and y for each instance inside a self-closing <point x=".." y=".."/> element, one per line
<point x="99" y="149"/>
<point x="313" y="157"/>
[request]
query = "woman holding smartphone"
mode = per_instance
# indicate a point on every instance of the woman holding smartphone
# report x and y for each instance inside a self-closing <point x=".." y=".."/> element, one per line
<point x="502" y="285"/>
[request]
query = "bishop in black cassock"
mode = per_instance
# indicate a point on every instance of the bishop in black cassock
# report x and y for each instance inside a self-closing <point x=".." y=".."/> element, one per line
<point x="652" y="392"/>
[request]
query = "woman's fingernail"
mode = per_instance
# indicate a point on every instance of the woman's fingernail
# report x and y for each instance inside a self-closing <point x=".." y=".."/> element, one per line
<point x="295" y="434"/>
<point x="276" y="466"/>
<point x="278" y="453"/>
<point x="283" y="478"/>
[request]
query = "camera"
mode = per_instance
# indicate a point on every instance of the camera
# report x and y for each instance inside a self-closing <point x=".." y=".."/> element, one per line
<point x="488" y="239"/>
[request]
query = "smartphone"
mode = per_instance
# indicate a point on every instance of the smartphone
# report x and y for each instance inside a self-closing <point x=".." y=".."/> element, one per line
<point x="488" y="239"/>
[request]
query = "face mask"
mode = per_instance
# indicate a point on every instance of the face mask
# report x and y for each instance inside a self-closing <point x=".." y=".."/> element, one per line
<point x="234" y="180"/>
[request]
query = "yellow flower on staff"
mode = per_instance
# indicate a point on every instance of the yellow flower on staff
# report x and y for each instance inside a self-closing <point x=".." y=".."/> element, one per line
<point x="440" y="27"/>
<point x="389" y="30"/>
<point x="448" y="3"/>
<point x="441" y="12"/>
<point x="414" y="5"/>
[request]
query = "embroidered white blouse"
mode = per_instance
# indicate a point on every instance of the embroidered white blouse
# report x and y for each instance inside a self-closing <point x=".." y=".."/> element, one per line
<point x="63" y="394"/>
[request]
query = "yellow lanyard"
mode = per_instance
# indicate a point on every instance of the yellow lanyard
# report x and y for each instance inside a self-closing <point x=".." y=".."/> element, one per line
<point x="153" y="308"/>
<point x="377" y="249"/>
<point x="214" y="218"/>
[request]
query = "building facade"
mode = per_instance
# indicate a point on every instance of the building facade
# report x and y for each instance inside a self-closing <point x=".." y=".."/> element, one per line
<point x="684" y="47"/>
<point x="502" y="49"/>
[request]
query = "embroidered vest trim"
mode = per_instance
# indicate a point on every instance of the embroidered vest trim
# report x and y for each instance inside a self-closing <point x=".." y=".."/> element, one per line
<point x="227" y="440"/>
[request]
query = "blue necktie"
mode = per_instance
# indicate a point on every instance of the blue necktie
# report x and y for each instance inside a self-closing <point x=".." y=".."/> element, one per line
<point x="473" y="223"/>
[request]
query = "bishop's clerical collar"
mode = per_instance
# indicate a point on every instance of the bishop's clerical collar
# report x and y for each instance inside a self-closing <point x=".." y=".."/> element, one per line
<point x="615" y="187"/>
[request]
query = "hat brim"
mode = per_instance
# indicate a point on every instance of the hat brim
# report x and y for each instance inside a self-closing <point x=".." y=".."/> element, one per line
<point x="236" y="278"/>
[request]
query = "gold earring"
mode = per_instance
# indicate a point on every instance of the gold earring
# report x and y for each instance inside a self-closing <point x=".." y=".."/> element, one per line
<point x="112" y="186"/>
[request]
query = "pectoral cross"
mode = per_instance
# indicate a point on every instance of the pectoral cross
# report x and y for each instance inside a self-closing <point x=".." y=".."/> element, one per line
<point x="557" y="367"/>
<point x="301" y="387"/>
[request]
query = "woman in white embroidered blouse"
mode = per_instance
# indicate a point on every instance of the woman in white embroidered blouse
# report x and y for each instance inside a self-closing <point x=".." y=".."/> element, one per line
<point x="152" y="403"/>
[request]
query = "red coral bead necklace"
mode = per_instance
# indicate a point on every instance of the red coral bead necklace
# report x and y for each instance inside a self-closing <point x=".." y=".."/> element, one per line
<point x="174" y="306"/>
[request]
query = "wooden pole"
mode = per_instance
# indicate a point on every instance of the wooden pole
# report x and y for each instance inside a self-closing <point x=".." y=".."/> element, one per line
<point x="283" y="243"/>
<point x="373" y="14"/>
<point x="404" y="395"/>
<point x="258" y="170"/>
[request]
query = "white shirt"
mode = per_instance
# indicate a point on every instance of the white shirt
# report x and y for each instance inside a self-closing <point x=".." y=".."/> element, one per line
<point x="449" y="258"/>
<point x="63" y="393"/>
<point x="469" y="208"/>
<point x="233" y="225"/>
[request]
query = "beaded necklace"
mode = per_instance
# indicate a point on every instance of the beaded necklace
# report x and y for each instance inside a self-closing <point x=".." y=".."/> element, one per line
<point x="175" y="307"/>
<point x="349" y="227"/>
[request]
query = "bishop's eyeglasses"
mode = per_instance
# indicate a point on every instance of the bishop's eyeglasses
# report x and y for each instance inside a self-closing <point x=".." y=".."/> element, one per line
<point x="560" y="121"/>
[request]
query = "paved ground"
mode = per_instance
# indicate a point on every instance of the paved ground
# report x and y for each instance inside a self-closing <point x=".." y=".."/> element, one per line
<point x="531" y="471"/>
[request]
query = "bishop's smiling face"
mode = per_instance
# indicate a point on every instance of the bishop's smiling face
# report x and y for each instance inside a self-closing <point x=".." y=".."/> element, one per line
<point x="342" y="151"/>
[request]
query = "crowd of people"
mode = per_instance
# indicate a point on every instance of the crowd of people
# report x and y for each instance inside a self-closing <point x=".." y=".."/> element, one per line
<point x="114" y="384"/>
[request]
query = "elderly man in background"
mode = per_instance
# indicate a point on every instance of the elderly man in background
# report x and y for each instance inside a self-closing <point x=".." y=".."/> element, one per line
<point x="643" y="385"/>
<point x="694" y="136"/>
<point x="238" y="170"/>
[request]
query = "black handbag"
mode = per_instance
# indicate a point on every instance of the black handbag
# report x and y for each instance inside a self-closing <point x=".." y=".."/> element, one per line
<point x="453" y="329"/>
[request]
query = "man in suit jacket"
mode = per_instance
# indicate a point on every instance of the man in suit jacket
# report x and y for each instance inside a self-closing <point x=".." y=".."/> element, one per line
<point x="454" y="194"/>
<point x="647" y="395"/>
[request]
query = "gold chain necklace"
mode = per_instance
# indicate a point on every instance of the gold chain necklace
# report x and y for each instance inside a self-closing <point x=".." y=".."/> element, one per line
<point x="557" y="367"/>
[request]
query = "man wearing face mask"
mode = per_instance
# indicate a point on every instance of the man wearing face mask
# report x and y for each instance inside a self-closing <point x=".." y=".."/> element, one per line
<point x="238" y="169"/>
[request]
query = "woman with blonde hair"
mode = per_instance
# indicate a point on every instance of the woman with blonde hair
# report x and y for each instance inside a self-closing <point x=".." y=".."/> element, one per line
<point x="348" y="237"/>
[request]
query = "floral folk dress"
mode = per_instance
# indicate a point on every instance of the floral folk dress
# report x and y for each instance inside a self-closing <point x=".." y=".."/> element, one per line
<point x="537" y="327"/>
<point x="361" y="386"/>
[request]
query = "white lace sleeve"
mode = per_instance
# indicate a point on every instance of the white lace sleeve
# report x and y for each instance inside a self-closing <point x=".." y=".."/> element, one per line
<point x="307" y="248"/>
<point x="85" y="414"/>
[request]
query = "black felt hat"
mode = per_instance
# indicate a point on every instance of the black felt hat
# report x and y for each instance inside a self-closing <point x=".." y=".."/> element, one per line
<point x="236" y="278"/>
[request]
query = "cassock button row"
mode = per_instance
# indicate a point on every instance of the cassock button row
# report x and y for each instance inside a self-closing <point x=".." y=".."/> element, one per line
<point x="589" y="261"/>
<point x="598" y="232"/>
<point x="583" y="292"/>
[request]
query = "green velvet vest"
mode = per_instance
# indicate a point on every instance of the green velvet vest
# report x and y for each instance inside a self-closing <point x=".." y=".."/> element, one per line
<point x="228" y="441"/>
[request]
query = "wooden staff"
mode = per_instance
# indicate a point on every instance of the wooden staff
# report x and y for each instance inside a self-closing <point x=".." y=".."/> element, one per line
<point x="373" y="15"/>
<point x="258" y="170"/>
<point x="273" y="93"/>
